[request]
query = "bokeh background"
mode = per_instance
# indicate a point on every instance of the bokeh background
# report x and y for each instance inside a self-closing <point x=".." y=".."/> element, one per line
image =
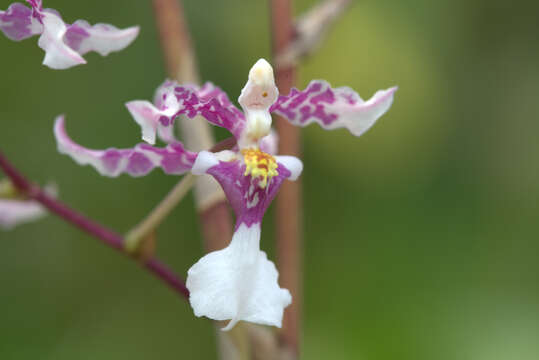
<point x="421" y="237"/>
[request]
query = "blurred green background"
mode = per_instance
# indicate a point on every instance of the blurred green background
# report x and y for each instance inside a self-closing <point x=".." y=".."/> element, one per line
<point x="420" y="237"/>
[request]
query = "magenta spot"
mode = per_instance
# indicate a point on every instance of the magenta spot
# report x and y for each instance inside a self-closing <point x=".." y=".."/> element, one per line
<point x="349" y="98"/>
<point x="323" y="116"/>
<point x="74" y="36"/>
<point x="139" y="164"/>
<point x="314" y="87"/>
<point x="172" y="163"/>
<point x="165" y="121"/>
<point x="111" y="159"/>
<point x="327" y="97"/>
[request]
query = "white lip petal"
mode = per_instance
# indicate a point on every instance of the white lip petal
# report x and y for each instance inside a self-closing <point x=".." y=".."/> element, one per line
<point x="238" y="283"/>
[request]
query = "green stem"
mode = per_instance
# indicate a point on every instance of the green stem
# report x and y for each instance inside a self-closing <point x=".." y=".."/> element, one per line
<point x="134" y="237"/>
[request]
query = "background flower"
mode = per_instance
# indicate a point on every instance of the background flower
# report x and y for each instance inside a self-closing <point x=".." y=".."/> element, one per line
<point x="63" y="43"/>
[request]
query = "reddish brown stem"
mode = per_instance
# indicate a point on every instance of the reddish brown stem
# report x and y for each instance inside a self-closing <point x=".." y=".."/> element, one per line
<point x="108" y="237"/>
<point x="175" y="40"/>
<point x="288" y="218"/>
<point x="180" y="63"/>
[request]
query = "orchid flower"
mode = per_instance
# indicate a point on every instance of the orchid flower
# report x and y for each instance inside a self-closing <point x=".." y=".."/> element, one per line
<point x="238" y="282"/>
<point x="63" y="44"/>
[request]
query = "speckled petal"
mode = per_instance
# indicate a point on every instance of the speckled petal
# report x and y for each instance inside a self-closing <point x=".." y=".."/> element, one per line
<point x="238" y="283"/>
<point x="172" y="100"/>
<point x="333" y="108"/>
<point x="14" y="212"/>
<point x="138" y="161"/>
<point x="17" y="22"/>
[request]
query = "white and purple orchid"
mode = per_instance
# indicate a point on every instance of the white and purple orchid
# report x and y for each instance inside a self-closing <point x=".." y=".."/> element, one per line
<point x="238" y="282"/>
<point x="64" y="44"/>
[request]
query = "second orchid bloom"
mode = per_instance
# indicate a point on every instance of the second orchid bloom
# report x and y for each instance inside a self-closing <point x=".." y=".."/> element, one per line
<point x="64" y="44"/>
<point x="238" y="282"/>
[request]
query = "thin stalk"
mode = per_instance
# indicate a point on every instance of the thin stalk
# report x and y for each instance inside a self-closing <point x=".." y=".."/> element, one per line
<point x="159" y="213"/>
<point x="288" y="202"/>
<point x="107" y="236"/>
<point x="141" y="231"/>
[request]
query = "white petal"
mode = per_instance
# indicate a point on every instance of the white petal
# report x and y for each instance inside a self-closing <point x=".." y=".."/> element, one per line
<point x="206" y="160"/>
<point x="147" y="116"/>
<point x="57" y="54"/>
<point x="293" y="164"/>
<point x="238" y="283"/>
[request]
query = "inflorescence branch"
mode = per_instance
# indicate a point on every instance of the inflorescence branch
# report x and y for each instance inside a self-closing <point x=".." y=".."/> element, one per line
<point x="107" y="236"/>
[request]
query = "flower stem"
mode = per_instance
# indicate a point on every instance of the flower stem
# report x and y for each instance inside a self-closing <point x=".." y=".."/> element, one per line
<point x="288" y="202"/>
<point x="141" y="231"/>
<point x="108" y="237"/>
<point x="158" y="214"/>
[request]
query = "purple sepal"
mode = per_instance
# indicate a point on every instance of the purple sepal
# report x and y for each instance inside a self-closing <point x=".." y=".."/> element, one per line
<point x="138" y="161"/>
<point x="248" y="200"/>
<point x="333" y="108"/>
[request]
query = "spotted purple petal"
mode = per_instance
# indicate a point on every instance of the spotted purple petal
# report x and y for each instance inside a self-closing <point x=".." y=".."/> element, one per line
<point x="172" y="100"/>
<point x="63" y="44"/>
<point x="333" y="108"/>
<point x="138" y="161"/>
